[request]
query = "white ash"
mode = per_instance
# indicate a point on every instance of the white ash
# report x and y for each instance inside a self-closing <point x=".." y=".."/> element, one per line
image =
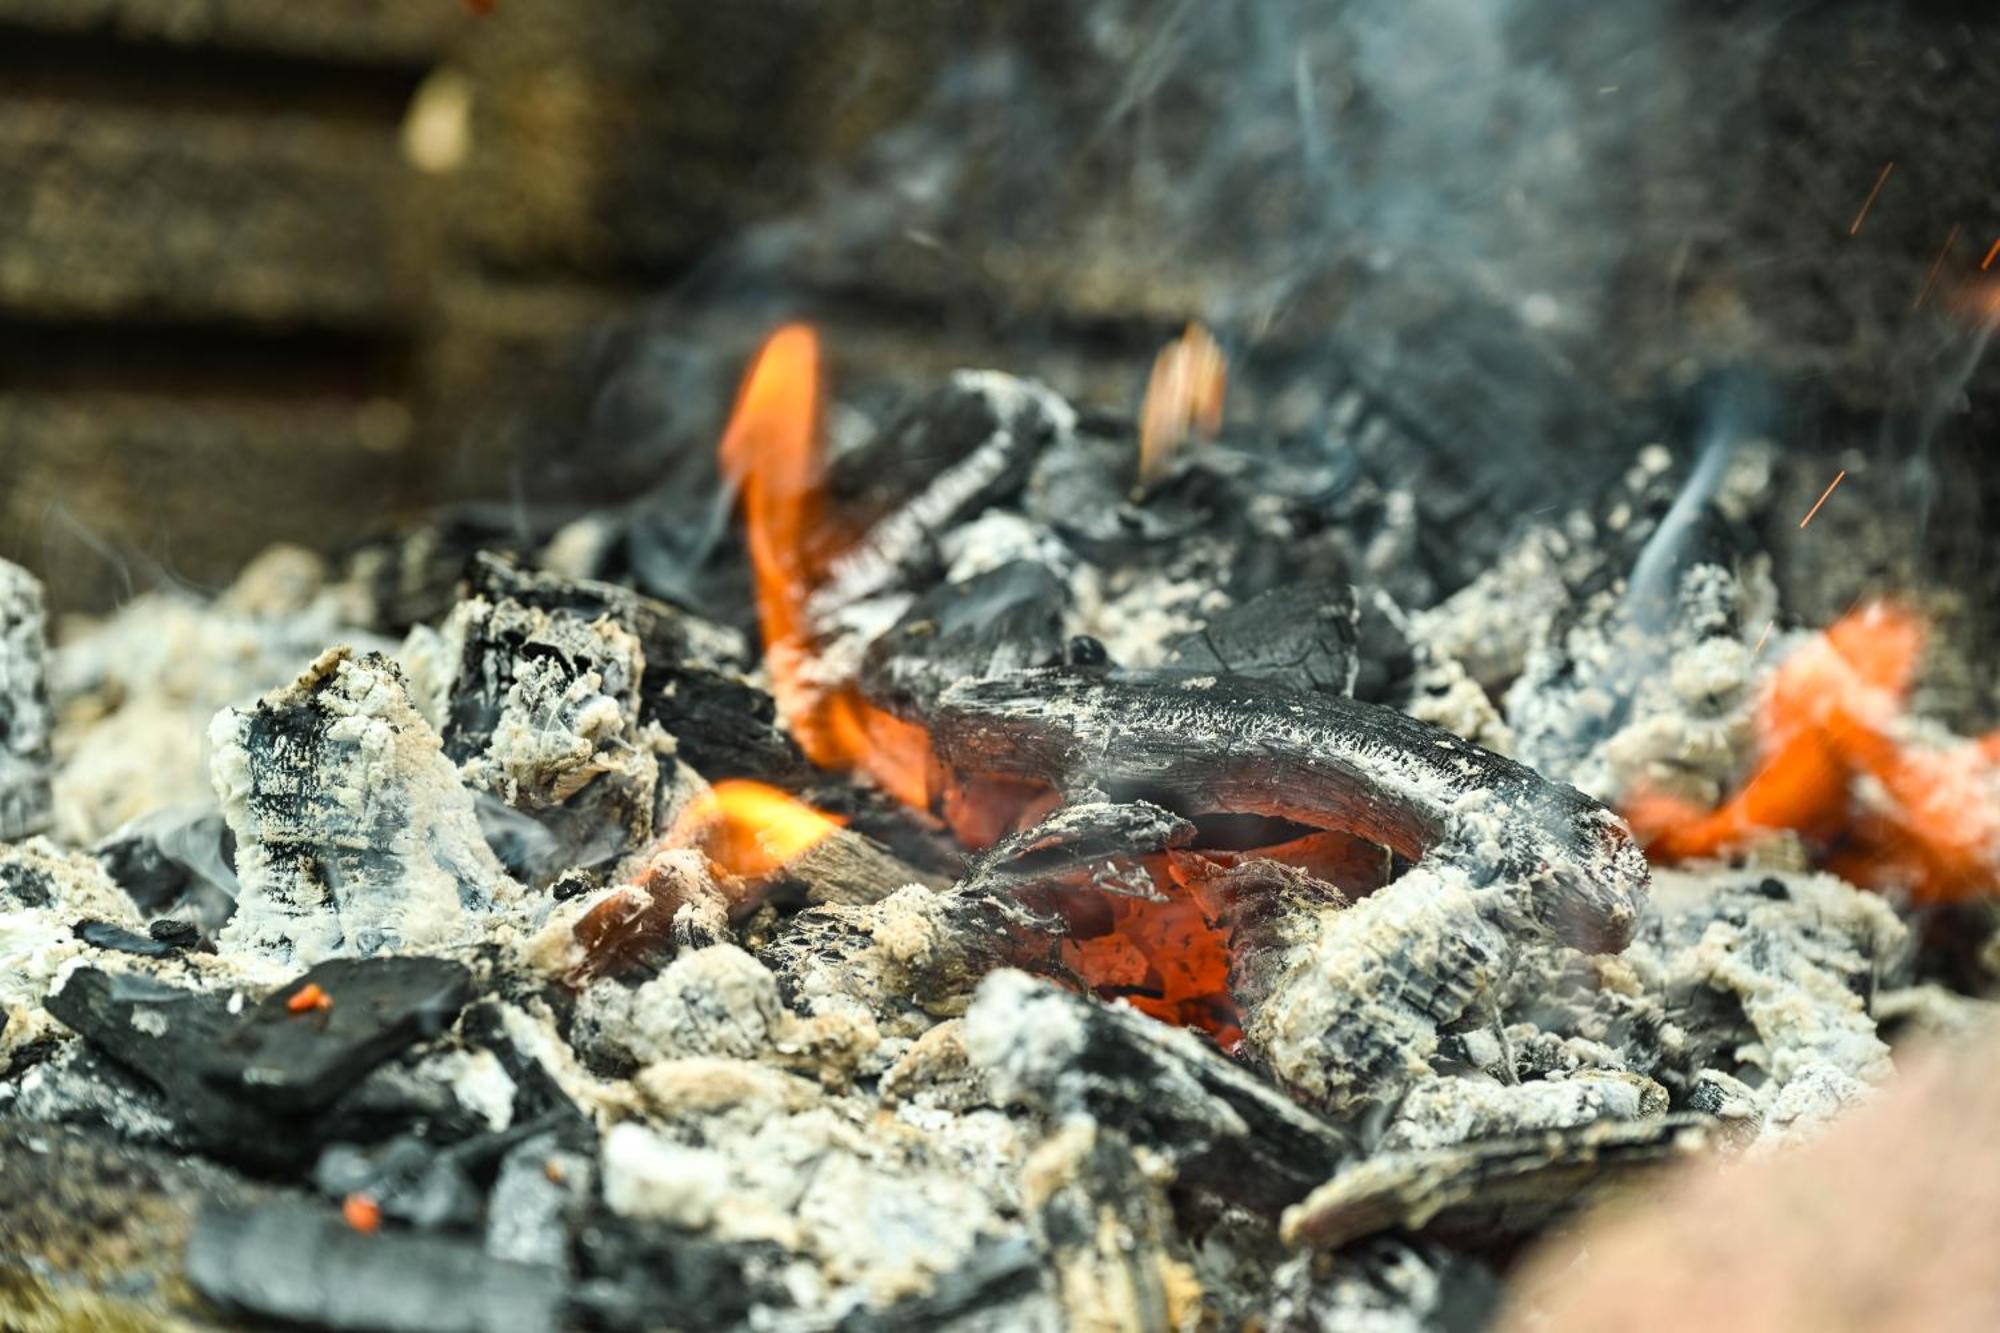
<point x="647" y="1175"/>
<point x="1135" y="611"/>
<point x="44" y="891"/>
<point x="135" y="693"/>
<point x="1000" y="537"/>
<point x="26" y="721"/>
<point x="478" y="1081"/>
<point x="1455" y="1110"/>
<point x="1812" y="1099"/>
<point x="1443" y="694"/>
<point x="354" y="834"/>
<point x="538" y="1187"/>
<point x="937" y="1073"/>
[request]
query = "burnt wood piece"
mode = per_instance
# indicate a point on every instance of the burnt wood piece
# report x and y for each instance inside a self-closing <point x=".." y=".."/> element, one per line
<point x="1002" y="620"/>
<point x="692" y="686"/>
<point x="376" y="1007"/>
<point x="26" y="721"/>
<point x="1090" y="843"/>
<point x="994" y="426"/>
<point x="302" y="1264"/>
<point x="1224" y="1130"/>
<point x="1207" y="744"/>
<point x="845" y="867"/>
<point x="105" y="935"/>
<point x="1106" y="1229"/>
<point x="1305" y="635"/>
<point x="1489" y="1190"/>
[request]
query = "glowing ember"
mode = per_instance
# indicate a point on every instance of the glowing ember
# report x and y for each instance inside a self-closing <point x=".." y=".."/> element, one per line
<point x="752" y="830"/>
<point x="1184" y="396"/>
<point x="1837" y="479"/>
<point x="771" y="452"/>
<point x="1937" y="266"/>
<point x="1927" y="820"/>
<point x="1869" y="202"/>
<point x="1163" y="958"/>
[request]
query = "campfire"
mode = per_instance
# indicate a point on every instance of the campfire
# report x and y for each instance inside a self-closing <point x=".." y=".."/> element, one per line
<point x="1141" y="866"/>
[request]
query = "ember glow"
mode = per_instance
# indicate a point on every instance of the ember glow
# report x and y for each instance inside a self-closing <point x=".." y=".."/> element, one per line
<point x="1877" y="809"/>
<point x="772" y="452"/>
<point x="753" y="830"/>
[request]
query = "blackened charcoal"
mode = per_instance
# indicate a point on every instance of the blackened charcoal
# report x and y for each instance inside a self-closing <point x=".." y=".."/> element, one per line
<point x="165" y="1034"/>
<point x="1205" y="744"/>
<point x="26" y="721"/>
<point x="1085" y="838"/>
<point x="1304" y="635"/>
<point x="692" y="686"/>
<point x="302" y="1264"/>
<point x="1386" y="1285"/>
<point x="995" y="426"/>
<point x="377" y="1008"/>
<point x="354" y="834"/>
<point x="1225" y="1131"/>
<point x="174" y="932"/>
<point x="408" y="1178"/>
<point x="104" y="935"/>
<point x="1489" y="1190"/>
<point x="1002" y="620"/>
<point x="631" y="1273"/>
<point x="538" y="1097"/>
<point x="180" y="859"/>
<point x="1386" y="659"/>
<point x="23" y="884"/>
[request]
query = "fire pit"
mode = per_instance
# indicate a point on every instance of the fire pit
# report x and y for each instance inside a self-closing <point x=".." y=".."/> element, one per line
<point x="979" y="860"/>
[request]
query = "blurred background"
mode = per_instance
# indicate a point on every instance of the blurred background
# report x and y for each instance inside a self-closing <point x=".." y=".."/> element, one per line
<point x="283" y="271"/>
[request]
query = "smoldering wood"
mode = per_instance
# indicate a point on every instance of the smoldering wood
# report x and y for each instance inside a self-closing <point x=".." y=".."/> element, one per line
<point x="26" y="720"/>
<point x="1091" y="838"/>
<point x="845" y="867"/>
<point x="1305" y="635"/>
<point x="693" y="684"/>
<point x="1490" y="1190"/>
<point x="1225" y="1131"/>
<point x="301" y="1263"/>
<point x="1203" y="744"/>
<point x="1004" y="619"/>
<point x="1268" y="908"/>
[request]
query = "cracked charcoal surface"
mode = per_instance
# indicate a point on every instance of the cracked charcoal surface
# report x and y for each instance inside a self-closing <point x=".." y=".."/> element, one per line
<point x="353" y="832"/>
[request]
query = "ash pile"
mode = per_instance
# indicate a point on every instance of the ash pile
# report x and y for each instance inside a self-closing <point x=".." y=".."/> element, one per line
<point x="1128" y="876"/>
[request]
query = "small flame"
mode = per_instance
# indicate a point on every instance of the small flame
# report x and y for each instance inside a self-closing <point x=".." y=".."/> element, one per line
<point x="1184" y="396"/>
<point x="1931" y="823"/>
<point x="771" y="452"/>
<point x="752" y="830"/>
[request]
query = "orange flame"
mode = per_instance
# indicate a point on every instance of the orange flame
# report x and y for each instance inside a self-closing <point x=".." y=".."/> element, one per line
<point x="771" y="452"/>
<point x="752" y="830"/>
<point x="1932" y="824"/>
<point x="1184" y="396"/>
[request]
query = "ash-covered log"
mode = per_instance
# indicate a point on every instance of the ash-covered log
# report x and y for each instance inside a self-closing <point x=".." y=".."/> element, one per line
<point x="1223" y="1130"/>
<point x="1002" y="620"/>
<point x="1209" y="744"/>
<point x="1098" y="840"/>
<point x="353" y="832"/>
<point x="25" y="718"/>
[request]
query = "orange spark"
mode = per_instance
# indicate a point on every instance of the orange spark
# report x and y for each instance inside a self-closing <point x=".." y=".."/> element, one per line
<point x="1758" y="651"/>
<point x="1837" y="479"/>
<point x="1869" y="202"/>
<point x="361" y="1213"/>
<point x="1991" y="255"/>
<point x="1936" y="266"/>
<point x="309" y="998"/>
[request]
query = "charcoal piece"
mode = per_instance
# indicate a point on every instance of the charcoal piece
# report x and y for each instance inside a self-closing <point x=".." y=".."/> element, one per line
<point x="1384" y="1285"/>
<point x="376" y="1008"/>
<point x="994" y="426"/>
<point x="174" y="932"/>
<point x="542" y="712"/>
<point x="104" y="935"/>
<point x="845" y="867"/>
<point x="537" y="1190"/>
<point x="179" y="859"/>
<point x="165" y="1034"/>
<point x="1087" y="838"/>
<point x="407" y="1178"/>
<point x="1224" y="1131"/>
<point x="631" y="1271"/>
<point x="1107" y="1231"/>
<point x="412" y="576"/>
<point x="26" y="720"/>
<point x="303" y="1264"/>
<point x="1203" y="744"/>
<point x="1082" y="489"/>
<point x="692" y="686"/>
<point x="1305" y="635"/>
<point x="1488" y="1190"/>
<point x="354" y="834"/>
<point x="1002" y="620"/>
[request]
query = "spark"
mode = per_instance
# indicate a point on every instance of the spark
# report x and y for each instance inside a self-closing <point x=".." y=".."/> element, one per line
<point x="1869" y="202"/>
<point x="1949" y="241"/>
<point x="1991" y="255"/>
<point x="1763" y="638"/>
<point x="1838" y="478"/>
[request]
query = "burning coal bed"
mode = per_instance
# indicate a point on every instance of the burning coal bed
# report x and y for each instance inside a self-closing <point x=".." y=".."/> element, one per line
<point x="1120" y="894"/>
